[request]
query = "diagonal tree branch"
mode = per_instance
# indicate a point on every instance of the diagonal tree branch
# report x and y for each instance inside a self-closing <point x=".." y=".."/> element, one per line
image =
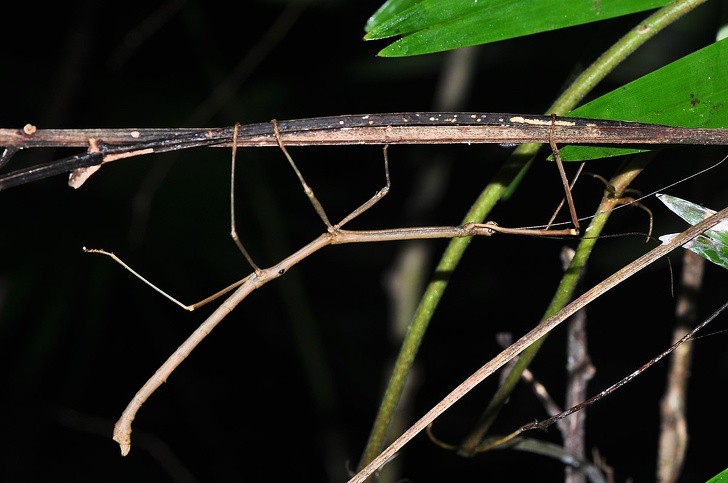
<point x="540" y="330"/>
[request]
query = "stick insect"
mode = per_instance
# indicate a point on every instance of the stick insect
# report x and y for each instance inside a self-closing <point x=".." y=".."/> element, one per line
<point x="334" y="234"/>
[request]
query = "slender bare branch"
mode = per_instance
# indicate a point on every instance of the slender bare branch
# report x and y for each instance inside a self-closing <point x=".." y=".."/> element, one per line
<point x="390" y="128"/>
<point x="544" y="327"/>
<point x="122" y="429"/>
<point x="673" y="439"/>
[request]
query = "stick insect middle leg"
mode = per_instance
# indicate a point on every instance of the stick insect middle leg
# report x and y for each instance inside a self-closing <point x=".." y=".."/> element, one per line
<point x="315" y="202"/>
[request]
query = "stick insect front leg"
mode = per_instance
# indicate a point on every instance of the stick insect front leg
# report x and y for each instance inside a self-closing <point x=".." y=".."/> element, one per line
<point x="233" y="234"/>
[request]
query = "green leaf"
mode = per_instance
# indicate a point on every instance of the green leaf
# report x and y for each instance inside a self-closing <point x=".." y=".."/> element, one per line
<point x="428" y="26"/>
<point x="694" y="214"/>
<point x="722" y="477"/>
<point x="713" y="244"/>
<point x="707" y="248"/>
<point x="690" y="92"/>
<point x="386" y="11"/>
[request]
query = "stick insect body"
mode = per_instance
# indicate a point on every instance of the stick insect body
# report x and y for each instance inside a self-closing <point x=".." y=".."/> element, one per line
<point x="334" y="234"/>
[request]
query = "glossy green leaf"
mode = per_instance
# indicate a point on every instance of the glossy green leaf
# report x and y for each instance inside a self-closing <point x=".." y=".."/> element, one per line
<point x="428" y="26"/>
<point x="713" y="244"/>
<point x="388" y="10"/>
<point x="721" y="477"/>
<point x="690" y="92"/>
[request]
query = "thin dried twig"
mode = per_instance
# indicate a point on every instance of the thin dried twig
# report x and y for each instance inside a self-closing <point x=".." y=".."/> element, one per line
<point x="543" y="328"/>
<point x="379" y="129"/>
<point x="579" y="370"/>
<point x="673" y="407"/>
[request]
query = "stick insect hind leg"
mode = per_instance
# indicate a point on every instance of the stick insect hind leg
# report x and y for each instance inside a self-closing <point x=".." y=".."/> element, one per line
<point x="548" y="231"/>
<point x="622" y="198"/>
<point x="564" y="179"/>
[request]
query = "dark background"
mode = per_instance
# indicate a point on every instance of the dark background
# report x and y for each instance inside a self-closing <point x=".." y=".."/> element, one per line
<point x="79" y="335"/>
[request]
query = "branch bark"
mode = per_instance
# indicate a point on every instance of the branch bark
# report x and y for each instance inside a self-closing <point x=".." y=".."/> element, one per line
<point x="108" y="145"/>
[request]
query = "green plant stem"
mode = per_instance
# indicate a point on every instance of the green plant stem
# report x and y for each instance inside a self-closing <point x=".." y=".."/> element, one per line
<point x="510" y="172"/>
<point x="564" y="293"/>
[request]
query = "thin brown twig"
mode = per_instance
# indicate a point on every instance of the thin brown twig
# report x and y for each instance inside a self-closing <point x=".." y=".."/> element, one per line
<point x="673" y="440"/>
<point x="390" y="128"/>
<point x="580" y="370"/>
<point x="122" y="429"/>
<point x="505" y="339"/>
<point x="543" y="328"/>
<point x="555" y="419"/>
<point x="380" y="129"/>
